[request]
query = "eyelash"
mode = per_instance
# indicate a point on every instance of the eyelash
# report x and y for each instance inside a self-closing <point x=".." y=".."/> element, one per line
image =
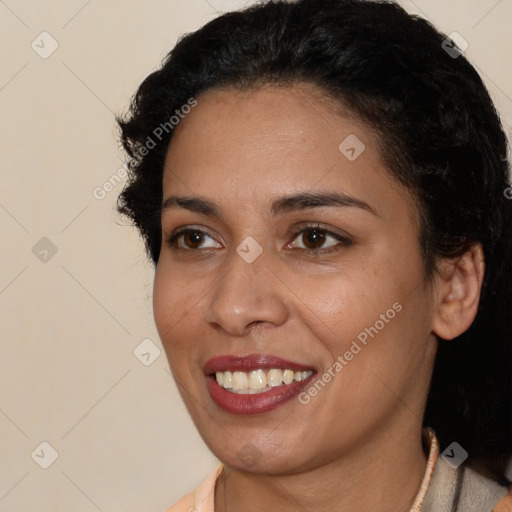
<point x="343" y="241"/>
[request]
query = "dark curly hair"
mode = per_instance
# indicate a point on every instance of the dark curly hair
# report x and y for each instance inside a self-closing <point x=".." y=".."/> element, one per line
<point x="440" y="136"/>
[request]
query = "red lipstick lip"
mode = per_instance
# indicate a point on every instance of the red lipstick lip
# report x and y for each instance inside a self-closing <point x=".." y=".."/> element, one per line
<point x="258" y="403"/>
<point x="249" y="363"/>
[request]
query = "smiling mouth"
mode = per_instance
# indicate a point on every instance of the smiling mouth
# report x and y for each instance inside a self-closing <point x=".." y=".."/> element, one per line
<point x="260" y="380"/>
<point x="254" y="383"/>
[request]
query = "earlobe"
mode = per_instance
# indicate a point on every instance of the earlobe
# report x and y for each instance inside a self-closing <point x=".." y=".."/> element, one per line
<point x="458" y="287"/>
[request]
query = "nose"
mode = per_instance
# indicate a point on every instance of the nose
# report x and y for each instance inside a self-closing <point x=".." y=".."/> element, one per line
<point x="248" y="295"/>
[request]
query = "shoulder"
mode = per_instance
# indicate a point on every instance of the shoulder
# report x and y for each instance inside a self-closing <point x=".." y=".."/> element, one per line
<point x="463" y="489"/>
<point x="185" y="504"/>
<point x="202" y="499"/>
<point x="483" y="493"/>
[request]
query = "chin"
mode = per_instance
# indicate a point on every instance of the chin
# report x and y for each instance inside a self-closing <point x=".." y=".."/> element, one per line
<point x="253" y="461"/>
<point x="258" y="454"/>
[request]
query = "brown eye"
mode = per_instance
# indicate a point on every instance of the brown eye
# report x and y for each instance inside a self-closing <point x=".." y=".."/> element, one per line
<point x="191" y="239"/>
<point x="313" y="238"/>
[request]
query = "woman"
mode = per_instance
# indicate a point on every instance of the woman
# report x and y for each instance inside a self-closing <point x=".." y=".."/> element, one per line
<point x="321" y="186"/>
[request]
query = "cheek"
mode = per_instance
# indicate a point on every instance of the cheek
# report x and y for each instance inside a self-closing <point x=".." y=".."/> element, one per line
<point x="173" y="306"/>
<point x="347" y="301"/>
<point x="383" y="300"/>
<point x="163" y="302"/>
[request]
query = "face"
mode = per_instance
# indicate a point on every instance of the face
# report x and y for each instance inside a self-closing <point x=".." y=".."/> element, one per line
<point x="301" y="262"/>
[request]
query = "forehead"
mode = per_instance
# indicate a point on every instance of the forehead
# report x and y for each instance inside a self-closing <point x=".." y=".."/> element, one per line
<point x="275" y="140"/>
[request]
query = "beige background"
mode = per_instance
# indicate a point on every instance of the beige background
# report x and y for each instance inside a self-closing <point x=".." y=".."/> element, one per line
<point x="70" y="324"/>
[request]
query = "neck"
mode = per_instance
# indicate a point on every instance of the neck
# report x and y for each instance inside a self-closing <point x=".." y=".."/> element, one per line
<point x="383" y="474"/>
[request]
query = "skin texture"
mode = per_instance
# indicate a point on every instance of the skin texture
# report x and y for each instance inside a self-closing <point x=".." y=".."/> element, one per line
<point x="357" y="444"/>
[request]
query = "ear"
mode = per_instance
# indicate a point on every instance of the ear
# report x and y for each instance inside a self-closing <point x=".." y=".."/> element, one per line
<point x="458" y="287"/>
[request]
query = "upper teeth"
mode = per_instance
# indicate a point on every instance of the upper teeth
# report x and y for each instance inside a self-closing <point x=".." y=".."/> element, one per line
<point x="258" y="381"/>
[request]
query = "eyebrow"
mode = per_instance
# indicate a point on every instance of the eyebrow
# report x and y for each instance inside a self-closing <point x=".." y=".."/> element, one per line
<point x="284" y="204"/>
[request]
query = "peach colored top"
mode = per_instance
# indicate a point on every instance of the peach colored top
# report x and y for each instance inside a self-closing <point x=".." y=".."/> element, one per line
<point x="443" y="489"/>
